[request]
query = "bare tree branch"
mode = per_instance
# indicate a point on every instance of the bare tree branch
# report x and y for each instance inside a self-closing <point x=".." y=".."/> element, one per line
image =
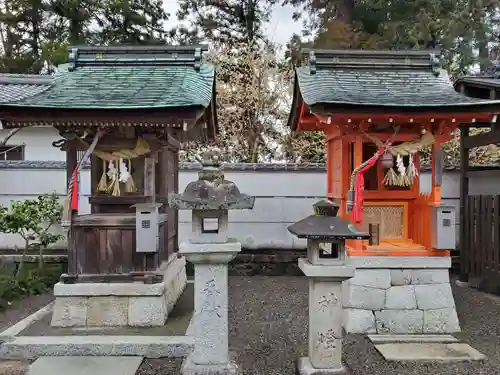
<point x="9" y="135"/>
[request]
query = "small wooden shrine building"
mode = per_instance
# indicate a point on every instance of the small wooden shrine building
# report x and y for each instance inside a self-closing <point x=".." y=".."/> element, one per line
<point x="127" y="109"/>
<point x="378" y="111"/>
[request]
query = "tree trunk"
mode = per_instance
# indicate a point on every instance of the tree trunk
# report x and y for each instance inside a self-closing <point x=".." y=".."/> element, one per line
<point x="345" y="11"/>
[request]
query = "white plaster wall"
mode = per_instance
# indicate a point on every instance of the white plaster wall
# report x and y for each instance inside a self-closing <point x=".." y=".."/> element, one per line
<point x="283" y="197"/>
<point x="38" y="143"/>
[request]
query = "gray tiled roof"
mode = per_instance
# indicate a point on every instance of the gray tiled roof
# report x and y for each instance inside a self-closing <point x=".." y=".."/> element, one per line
<point x="388" y="88"/>
<point x="378" y="78"/>
<point x="486" y="81"/>
<point x="14" y="87"/>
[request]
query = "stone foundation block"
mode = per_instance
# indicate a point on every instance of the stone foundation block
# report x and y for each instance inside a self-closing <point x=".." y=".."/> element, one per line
<point x="107" y="311"/>
<point x="441" y="321"/>
<point x="359" y="321"/>
<point x="399" y="321"/>
<point x="380" y="278"/>
<point x="360" y="297"/>
<point x="426" y="276"/>
<point x="119" y="304"/>
<point x="69" y="312"/>
<point x="406" y="295"/>
<point x="434" y="296"/>
<point x="401" y="298"/>
<point x="400" y="277"/>
<point x="147" y="311"/>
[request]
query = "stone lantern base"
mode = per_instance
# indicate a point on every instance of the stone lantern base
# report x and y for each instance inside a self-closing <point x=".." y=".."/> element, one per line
<point x="191" y="368"/>
<point x="305" y="367"/>
<point x="325" y="318"/>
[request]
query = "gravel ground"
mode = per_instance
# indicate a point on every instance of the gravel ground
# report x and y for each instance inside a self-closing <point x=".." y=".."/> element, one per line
<point x="268" y="330"/>
<point x="18" y="311"/>
<point x="23" y="308"/>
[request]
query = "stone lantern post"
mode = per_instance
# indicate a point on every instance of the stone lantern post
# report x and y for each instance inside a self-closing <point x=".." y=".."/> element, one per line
<point x="210" y="250"/>
<point x="325" y="267"/>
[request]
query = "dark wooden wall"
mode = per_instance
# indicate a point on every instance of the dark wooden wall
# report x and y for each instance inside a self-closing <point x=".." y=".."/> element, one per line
<point x="480" y="252"/>
<point x="105" y="244"/>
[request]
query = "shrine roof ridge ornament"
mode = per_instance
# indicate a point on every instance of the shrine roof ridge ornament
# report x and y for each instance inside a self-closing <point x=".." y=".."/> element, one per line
<point x="161" y="55"/>
<point x="368" y="59"/>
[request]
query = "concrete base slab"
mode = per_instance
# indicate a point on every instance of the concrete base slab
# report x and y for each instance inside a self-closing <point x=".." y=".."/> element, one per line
<point x="85" y="365"/>
<point x="191" y="368"/>
<point x="384" y="339"/>
<point x="30" y="347"/>
<point x="429" y="352"/>
<point x="305" y="367"/>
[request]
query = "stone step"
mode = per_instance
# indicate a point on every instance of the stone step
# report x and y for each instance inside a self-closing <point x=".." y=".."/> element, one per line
<point x="31" y="347"/>
<point x="85" y="365"/>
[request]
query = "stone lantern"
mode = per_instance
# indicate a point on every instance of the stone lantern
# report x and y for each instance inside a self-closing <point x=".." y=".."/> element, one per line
<point x="210" y="250"/>
<point x="325" y="267"/>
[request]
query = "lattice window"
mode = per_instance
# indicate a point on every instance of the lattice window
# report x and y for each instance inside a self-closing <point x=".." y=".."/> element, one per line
<point x="390" y="218"/>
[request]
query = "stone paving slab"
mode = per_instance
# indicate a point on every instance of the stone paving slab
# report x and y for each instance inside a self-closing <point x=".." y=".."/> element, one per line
<point x="382" y="339"/>
<point x="440" y="352"/>
<point x="85" y="366"/>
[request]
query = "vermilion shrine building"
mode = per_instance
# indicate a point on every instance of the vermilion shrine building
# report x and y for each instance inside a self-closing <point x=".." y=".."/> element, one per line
<point x="378" y="111"/>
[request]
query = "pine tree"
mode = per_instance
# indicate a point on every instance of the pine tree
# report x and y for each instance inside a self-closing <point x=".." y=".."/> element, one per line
<point x="131" y="22"/>
<point x="21" y="35"/>
<point x="223" y="21"/>
<point x="459" y="28"/>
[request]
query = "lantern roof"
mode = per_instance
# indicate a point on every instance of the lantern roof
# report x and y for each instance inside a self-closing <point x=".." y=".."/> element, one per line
<point x="327" y="228"/>
<point x="211" y="192"/>
<point x="324" y="224"/>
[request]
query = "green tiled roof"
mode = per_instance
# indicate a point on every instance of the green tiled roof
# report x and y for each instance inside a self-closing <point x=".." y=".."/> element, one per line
<point x="378" y="78"/>
<point x="128" y="78"/>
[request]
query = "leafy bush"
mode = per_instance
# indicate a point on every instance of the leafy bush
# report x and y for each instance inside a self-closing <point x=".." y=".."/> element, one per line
<point x="33" y="281"/>
<point x="32" y="221"/>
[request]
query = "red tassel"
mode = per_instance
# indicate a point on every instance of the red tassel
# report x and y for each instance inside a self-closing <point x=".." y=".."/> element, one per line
<point x="359" y="187"/>
<point x="74" y="194"/>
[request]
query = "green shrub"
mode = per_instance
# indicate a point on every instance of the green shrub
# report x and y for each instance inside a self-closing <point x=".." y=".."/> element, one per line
<point x="32" y="221"/>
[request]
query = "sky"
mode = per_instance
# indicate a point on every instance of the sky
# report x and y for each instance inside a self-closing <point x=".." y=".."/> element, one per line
<point x="279" y="29"/>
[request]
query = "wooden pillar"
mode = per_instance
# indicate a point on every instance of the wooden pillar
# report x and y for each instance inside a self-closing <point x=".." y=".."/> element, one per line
<point x="149" y="178"/>
<point x="358" y="160"/>
<point x="437" y="172"/>
<point x="71" y="162"/>
<point x="464" y="193"/>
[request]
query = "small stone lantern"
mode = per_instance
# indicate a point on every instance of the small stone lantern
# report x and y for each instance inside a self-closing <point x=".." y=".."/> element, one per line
<point x="325" y="266"/>
<point x="210" y="250"/>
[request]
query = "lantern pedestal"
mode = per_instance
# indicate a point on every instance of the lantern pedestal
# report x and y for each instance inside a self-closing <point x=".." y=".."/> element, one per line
<point x="325" y="318"/>
<point x="210" y="355"/>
